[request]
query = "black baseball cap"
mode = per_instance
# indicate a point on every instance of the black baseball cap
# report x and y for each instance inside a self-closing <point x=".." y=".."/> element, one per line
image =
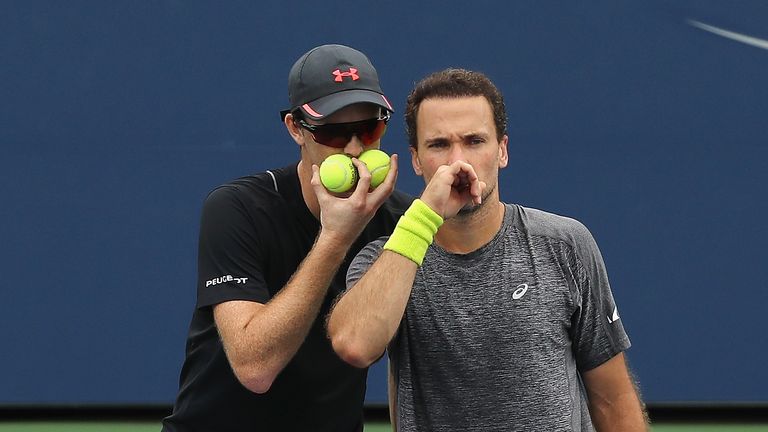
<point x="330" y="77"/>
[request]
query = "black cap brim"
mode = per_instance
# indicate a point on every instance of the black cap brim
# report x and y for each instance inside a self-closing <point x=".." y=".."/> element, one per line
<point x="327" y="105"/>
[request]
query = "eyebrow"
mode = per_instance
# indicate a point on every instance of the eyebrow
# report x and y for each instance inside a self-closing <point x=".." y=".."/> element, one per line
<point x="471" y="135"/>
<point x="464" y="137"/>
<point x="436" y="140"/>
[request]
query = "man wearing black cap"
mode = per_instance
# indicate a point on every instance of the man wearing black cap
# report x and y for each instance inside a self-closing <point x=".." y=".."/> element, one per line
<point x="273" y="254"/>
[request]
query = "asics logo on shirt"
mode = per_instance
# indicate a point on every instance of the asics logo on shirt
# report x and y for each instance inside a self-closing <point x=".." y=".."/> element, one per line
<point x="226" y="278"/>
<point x="520" y="291"/>
<point x="615" y="317"/>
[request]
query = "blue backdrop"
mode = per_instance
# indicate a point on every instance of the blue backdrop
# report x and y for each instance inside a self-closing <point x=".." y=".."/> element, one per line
<point x="116" y="119"/>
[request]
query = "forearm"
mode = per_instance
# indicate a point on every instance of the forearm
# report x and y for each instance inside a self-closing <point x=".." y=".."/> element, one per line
<point x="366" y="318"/>
<point x="625" y="413"/>
<point x="368" y="315"/>
<point x="261" y="340"/>
<point x="614" y="401"/>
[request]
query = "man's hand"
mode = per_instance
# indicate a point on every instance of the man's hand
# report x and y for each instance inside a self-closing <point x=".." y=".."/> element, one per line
<point x="452" y="188"/>
<point x="345" y="217"/>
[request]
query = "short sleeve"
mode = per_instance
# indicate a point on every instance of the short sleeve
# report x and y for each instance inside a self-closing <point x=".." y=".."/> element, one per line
<point x="230" y="261"/>
<point x="597" y="331"/>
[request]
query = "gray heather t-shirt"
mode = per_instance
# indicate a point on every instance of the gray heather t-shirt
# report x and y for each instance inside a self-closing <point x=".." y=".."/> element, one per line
<point x="494" y="340"/>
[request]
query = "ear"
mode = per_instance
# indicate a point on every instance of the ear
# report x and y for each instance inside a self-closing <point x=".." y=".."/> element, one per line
<point x="294" y="129"/>
<point x="503" y="153"/>
<point x="415" y="161"/>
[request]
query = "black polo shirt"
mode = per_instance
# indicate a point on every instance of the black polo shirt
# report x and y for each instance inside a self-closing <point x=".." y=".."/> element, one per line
<point x="254" y="233"/>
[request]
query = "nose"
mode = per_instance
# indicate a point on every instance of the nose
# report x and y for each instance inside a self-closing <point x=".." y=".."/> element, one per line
<point x="457" y="153"/>
<point x="354" y="147"/>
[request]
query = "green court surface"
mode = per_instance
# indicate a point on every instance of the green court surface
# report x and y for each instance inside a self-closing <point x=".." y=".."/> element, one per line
<point x="370" y="427"/>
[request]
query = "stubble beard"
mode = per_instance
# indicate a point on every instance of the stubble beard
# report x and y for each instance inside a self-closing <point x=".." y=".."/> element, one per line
<point x="470" y="209"/>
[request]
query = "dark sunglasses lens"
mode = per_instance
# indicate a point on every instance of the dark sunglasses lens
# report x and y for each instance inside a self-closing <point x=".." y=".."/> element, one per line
<point x="332" y="136"/>
<point x="374" y="130"/>
<point x="338" y="135"/>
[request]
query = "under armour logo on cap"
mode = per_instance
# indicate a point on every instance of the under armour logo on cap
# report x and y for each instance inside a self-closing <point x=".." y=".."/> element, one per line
<point x="340" y="75"/>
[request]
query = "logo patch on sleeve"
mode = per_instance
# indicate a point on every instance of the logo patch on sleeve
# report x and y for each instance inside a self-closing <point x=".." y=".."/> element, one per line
<point x="224" y="279"/>
<point x="615" y="317"/>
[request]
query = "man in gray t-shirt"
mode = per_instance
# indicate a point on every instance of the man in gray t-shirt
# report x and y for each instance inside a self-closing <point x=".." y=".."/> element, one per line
<point x="495" y="316"/>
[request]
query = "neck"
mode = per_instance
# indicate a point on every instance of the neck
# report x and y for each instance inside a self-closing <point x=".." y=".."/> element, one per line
<point x="464" y="234"/>
<point x="307" y="192"/>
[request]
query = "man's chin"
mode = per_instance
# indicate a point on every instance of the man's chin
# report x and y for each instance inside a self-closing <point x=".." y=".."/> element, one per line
<point x="469" y="209"/>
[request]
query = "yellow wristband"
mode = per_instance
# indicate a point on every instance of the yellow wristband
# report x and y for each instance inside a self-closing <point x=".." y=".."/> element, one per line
<point x="414" y="232"/>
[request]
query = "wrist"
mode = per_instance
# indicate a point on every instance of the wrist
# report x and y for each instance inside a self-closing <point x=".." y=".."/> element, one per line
<point x="332" y="242"/>
<point x="414" y="232"/>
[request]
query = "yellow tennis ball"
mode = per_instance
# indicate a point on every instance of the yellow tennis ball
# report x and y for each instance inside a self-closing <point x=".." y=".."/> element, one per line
<point x="338" y="173"/>
<point x="378" y="164"/>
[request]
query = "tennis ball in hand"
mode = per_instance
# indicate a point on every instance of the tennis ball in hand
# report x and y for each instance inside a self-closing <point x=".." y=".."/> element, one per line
<point x="378" y="164"/>
<point x="338" y="173"/>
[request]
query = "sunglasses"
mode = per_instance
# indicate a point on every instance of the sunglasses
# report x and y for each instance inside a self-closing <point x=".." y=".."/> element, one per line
<point x="337" y="135"/>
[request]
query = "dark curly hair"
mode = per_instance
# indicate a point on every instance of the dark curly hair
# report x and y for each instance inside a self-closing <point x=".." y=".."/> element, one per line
<point x="454" y="83"/>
